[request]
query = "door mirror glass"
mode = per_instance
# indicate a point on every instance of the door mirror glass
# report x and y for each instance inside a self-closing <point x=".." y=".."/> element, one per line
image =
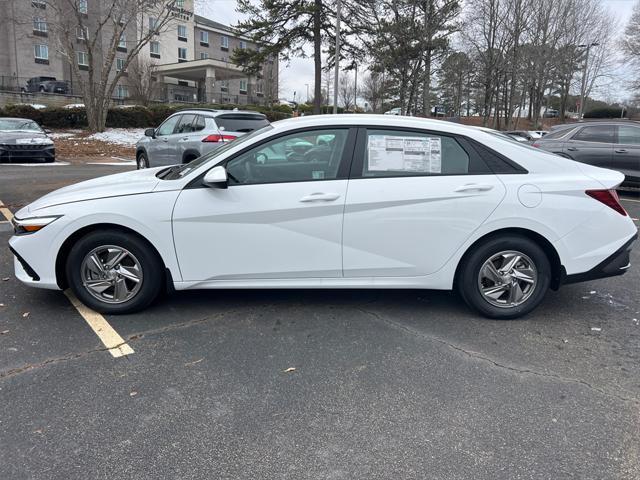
<point x="216" y="177"/>
<point x="150" y="132"/>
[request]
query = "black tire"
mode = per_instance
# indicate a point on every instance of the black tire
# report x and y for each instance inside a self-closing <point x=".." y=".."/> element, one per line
<point x="468" y="281"/>
<point x="42" y="89"/>
<point x="150" y="265"/>
<point x="142" y="161"/>
<point x="189" y="159"/>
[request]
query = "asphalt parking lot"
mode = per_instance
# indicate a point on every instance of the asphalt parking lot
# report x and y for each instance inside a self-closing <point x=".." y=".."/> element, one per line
<point x="316" y="384"/>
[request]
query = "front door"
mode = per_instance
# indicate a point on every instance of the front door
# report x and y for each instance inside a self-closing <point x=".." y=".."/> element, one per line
<point x="280" y="217"/>
<point x="158" y="147"/>
<point x="414" y="198"/>
<point x="593" y="145"/>
<point x="626" y="152"/>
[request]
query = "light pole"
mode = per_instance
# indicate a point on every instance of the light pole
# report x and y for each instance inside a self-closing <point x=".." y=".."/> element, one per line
<point x="583" y="87"/>
<point x="355" y="91"/>
<point x="337" y="60"/>
<point x="307" y="85"/>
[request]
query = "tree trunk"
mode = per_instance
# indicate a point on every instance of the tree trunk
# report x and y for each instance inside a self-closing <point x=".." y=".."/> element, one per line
<point x="317" y="59"/>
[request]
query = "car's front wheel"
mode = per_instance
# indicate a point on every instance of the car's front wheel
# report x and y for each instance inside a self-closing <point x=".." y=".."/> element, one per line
<point x="505" y="277"/>
<point x="114" y="272"/>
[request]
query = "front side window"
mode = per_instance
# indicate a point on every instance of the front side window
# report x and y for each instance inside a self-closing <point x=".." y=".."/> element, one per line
<point x="168" y="126"/>
<point x="393" y="153"/>
<point x="182" y="53"/>
<point x="595" y="133"/>
<point x="297" y="157"/>
<point x="41" y="52"/>
<point x="82" y="6"/>
<point x="83" y="59"/>
<point x="629" y="135"/>
<point x="39" y="24"/>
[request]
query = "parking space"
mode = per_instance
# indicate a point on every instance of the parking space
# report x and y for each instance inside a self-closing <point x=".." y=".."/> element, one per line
<point x="317" y="384"/>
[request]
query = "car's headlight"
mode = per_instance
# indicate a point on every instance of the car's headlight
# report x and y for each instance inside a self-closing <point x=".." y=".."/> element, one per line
<point x="23" y="226"/>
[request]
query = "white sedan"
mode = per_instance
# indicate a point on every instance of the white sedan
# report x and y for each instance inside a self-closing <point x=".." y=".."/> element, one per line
<point x="369" y="202"/>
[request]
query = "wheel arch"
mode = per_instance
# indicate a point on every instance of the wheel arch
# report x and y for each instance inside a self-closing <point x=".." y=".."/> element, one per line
<point x="557" y="270"/>
<point x="190" y="154"/>
<point x="65" y="249"/>
<point x="140" y="150"/>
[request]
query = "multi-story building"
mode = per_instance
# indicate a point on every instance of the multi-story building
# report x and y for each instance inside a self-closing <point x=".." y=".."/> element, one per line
<point x="190" y="55"/>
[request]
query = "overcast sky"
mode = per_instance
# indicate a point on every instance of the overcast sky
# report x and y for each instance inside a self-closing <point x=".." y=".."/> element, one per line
<point x="299" y="72"/>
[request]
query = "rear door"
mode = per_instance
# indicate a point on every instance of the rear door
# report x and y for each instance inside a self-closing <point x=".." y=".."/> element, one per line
<point x="592" y="144"/>
<point x="414" y="198"/>
<point x="626" y="152"/>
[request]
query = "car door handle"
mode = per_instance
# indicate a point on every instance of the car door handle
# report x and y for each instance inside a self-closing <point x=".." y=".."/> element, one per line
<point x="165" y="140"/>
<point x="473" y="187"/>
<point x="572" y="149"/>
<point x="320" y="197"/>
<point x="621" y="150"/>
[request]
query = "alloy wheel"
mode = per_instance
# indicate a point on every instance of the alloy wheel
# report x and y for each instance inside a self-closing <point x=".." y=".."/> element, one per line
<point x="111" y="274"/>
<point x="507" y="279"/>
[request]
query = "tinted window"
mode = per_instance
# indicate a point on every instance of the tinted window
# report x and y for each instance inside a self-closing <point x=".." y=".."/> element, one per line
<point x="198" y="124"/>
<point x="390" y="153"/>
<point x="186" y="123"/>
<point x="241" y="123"/>
<point x="561" y="132"/>
<point x="595" y="133"/>
<point x="629" y="135"/>
<point x="168" y="126"/>
<point x="304" y="156"/>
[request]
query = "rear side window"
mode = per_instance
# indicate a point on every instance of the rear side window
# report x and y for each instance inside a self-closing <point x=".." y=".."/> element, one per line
<point x="595" y="133"/>
<point x="629" y="135"/>
<point x="198" y="123"/>
<point x="186" y="123"/>
<point x="392" y="153"/>
<point x="241" y="123"/>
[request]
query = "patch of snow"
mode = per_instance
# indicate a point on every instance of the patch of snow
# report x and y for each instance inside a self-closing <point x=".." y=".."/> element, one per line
<point x="55" y="135"/>
<point x="119" y="136"/>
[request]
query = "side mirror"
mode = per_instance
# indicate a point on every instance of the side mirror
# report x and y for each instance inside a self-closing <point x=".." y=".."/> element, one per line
<point x="150" y="132"/>
<point x="216" y="177"/>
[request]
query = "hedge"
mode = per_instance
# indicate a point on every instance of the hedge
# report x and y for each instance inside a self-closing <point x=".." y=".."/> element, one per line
<point x="604" y="112"/>
<point x="130" y="117"/>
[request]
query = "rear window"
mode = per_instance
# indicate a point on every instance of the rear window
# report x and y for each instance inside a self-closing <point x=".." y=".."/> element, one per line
<point x="596" y="133"/>
<point x="241" y="123"/>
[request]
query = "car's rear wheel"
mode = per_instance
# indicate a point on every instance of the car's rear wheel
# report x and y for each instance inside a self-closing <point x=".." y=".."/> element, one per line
<point x="114" y="272"/>
<point x="505" y="277"/>
<point x="142" y="161"/>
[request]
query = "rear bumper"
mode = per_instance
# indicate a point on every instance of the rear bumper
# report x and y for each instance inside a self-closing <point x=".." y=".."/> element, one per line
<point x="615" y="264"/>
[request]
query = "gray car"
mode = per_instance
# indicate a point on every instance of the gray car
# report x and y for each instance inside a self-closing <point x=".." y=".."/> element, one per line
<point x="188" y="134"/>
<point x="607" y="144"/>
<point x="23" y="140"/>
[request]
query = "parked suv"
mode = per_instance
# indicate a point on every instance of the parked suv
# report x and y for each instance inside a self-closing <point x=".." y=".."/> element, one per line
<point x="46" y="84"/>
<point x="188" y="134"/>
<point x="607" y="144"/>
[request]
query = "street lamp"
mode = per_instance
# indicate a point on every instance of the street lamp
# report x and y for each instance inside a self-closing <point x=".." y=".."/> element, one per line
<point x="583" y="87"/>
<point x="307" y="85"/>
<point x="337" y="60"/>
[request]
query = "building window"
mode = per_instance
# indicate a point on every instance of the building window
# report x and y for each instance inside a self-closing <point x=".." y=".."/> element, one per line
<point x="120" y="64"/>
<point x="122" y="43"/>
<point x="180" y="3"/>
<point x="122" y="91"/>
<point x="224" y="42"/>
<point x="224" y="85"/>
<point x="41" y="53"/>
<point x="204" y="38"/>
<point x="182" y="54"/>
<point x="243" y="86"/>
<point x="83" y="59"/>
<point x="204" y="55"/>
<point x="259" y="88"/>
<point x="153" y="24"/>
<point x="39" y="25"/>
<point x="39" y="3"/>
<point x="154" y="49"/>
<point x="182" y="33"/>
<point x="82" y="6"/>
<point x="243" y="44"/>
<point x="82" y="33"/>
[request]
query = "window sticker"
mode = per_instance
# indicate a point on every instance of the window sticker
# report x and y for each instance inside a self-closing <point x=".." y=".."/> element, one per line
<point x="410" y="154"/>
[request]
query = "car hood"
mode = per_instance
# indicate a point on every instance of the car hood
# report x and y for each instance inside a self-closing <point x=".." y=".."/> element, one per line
<point x="27" y="138"/>
<point x="128" y="183"/>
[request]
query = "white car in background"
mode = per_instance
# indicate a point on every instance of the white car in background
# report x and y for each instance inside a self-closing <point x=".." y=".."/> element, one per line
<point x="346" y="201"/>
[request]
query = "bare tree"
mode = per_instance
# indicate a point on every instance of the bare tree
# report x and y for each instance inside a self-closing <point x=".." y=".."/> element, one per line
<point x="631" y="44"/>
<point x="347" y="92"/>
<point x="142" y="81"/>
<point x="373" y="90"/>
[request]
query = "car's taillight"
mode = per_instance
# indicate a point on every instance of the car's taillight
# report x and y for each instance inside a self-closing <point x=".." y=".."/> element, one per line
<point x="219" y="138"/>
<point x="609" y="198"/>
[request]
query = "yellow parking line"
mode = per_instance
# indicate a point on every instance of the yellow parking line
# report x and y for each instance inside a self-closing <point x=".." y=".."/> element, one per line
<point x="105" y="332"/>
<point x="5" y="212"/>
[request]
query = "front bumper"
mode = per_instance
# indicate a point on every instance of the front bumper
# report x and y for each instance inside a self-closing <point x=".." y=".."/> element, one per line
<point x="22" y="153"/>
<point x="615" y="264"/>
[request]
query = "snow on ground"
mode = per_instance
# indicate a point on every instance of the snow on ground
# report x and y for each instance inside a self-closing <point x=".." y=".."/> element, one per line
<point x="119" y="136"/>
<point x="56" y="135"/>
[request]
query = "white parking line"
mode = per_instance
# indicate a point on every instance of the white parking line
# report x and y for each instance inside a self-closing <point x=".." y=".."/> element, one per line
<point x="5" y="212"/>
<point x="52" y="164"/>
<point x="105" y="332"/>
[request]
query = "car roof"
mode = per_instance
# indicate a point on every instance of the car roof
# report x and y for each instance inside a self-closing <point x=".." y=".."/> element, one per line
<point x="17" y="118"/>
<point x="214" y="113"/>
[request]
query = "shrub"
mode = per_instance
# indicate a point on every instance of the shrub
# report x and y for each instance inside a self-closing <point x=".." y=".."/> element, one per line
<point x="604" y="112"/>
<point x="131" y="117"/>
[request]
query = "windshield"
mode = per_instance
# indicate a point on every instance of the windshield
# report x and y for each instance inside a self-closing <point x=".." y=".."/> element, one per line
<point x="18" y="124"/>
<point x="179" y="171"/>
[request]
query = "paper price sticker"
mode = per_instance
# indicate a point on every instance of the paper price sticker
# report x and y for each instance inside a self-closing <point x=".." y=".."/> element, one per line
<point x="410" y="154"/>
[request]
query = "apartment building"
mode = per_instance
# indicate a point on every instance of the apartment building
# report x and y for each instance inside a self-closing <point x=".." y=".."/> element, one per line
<point x="189" y="55"/>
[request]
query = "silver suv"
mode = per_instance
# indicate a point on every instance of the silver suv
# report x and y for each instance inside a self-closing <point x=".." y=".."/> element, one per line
<point x="188" y="134"/>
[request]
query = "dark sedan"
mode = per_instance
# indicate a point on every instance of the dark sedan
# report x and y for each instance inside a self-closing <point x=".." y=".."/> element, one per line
<point x="607" y="144"/>
<point x="23" y="140"/>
